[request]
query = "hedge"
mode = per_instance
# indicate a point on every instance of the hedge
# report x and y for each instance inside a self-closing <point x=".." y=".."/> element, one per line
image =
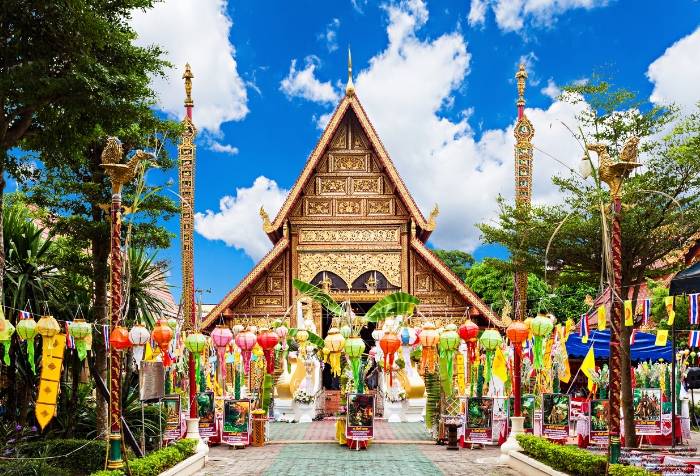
<point x="157" y="462"/>
<point x="32" y="468"/>
<point x="85" y="456"/>
<point x="570" y="459"/>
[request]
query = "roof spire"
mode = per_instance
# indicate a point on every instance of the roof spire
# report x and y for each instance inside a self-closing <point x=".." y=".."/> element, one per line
<point x="521" y="76"/>
<point x="187" y="76"/>
<point x="350" y="88"/>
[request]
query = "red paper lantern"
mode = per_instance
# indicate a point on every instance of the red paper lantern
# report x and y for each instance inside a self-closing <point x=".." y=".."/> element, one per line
<point x="517" y="333"/>
<point x="390" y="343"/>
<point x="469" y="332"/>
<point x="119" y="338"/>
<point x="268" y="339"/>
<point x="162" y="335"/>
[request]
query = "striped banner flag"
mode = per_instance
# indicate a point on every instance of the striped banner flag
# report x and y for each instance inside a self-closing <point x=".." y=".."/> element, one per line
<point x="105" y="335"/>
<point x="647" y="312"/>
<point x="24" y="315"/>
<point x="583" y="330"/>
<point x="633" y="336"/>
<point x="693" y="311"/>
<point x="70" y="342"/>
<point x="694" y="340"/>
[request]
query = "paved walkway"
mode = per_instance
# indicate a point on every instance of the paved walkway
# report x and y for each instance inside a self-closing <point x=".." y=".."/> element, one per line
<point x="324" y="431"/>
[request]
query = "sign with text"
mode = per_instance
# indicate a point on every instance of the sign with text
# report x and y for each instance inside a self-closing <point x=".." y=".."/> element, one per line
<point x="205" y="413"/>
<point x="478" y="421"/>
<point x="173" y="430"/>
<point x="555" y="416"/>
<point x="236" y="427"/>
<point x="360" y="417"/>
<point x="647" y="411"/>
<point x="527" y="410"/>
<point x="600" y="411"/>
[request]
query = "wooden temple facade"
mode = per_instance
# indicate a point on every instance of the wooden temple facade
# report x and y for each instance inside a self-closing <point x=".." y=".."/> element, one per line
<point x="350" y="226"/>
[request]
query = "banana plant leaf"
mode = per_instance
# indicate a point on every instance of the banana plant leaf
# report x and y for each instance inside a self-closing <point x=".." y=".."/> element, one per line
<point x="396" y="304"/>
<point x="319" y="296"/>
<point x="313" y="338"/>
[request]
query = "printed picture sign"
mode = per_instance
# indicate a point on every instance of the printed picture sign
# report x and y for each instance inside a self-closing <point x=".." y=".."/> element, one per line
<point x="479" y="419"/>
<point x="173" y="429"/>
<point x="360" y="417"/>
<point x="555" y="416"/>
<point x="205" y="412"/>
<point x="600" y="412"/>
<point x="236" y="427"/>
<point x="647" y="411"/>
<point x="527" y="410"/>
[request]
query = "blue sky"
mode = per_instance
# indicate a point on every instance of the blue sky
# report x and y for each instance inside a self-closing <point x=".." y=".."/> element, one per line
<point x="436" y="79"/>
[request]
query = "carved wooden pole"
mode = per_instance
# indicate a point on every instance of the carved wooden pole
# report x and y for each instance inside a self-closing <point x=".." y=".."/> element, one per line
<point x="615" y="392"/>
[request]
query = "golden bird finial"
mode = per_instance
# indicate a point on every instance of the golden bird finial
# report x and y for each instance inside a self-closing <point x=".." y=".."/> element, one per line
<point x="430" y="226"/>
<point x="187" y="76"/>
<point x="521" y="76"/>
<point x="350" y="88"/>
<point x="267" y="226"/>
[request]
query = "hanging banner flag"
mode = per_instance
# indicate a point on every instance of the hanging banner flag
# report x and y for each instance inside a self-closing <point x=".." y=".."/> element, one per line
<point x="633" y="336"/>
<point x="601" y="318"/>
<point x="70" y="342"/>
<point x="668" y="302"/>
<point x="105" y="335"/>
<point x="567" y="369"/>
<point x="647" y="312"/>
<point x="583" y="330"/>
<point x="587" y="366"/>
<point x="693" y="311"/>
<point x="600" y="410"/>
<point x="661" y="337"/>
<point x="555" y="415"/>
<point x="567" y="329"/>
<point x="52" y="359"/>
<point x="499" y="366"/>
<point x="460" y="374"/>
<point x="236" y="429"/>
<point x="694" y="340"/>
<point x="478" y="422"/>
<point x="629" y="315"/>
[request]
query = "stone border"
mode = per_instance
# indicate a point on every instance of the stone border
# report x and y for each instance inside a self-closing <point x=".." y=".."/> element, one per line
<point x="530" y="467"/>
<point x="187" y="467"/>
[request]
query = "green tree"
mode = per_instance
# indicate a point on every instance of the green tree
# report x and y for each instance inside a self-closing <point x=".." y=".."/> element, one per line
<point x="660" y="203"/>
<point x="458" y="261"/>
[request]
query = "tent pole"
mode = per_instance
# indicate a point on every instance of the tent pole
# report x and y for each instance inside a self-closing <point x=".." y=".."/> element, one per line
<point x="673" y="378"/>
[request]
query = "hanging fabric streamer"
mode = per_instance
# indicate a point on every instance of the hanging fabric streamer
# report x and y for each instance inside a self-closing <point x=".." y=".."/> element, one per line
<point x="6" y="331"/>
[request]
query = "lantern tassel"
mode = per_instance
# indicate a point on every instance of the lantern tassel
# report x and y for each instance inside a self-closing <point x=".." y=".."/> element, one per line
<point x="222" y="361"/>
<point x="427" y="360"/>
<point x="471" y="348"/>
<point x="246" y="360"/>
<point x="269" y="360"/>
<point x="6" y="344"/>
<point x="355" y="363"/>
<point x="30" y="355"/>
<point x="489" y="363"/>
<point x="166" y="355"/>
<point x="334" y="359"/>
<point x="138" y="351"/>
<point x="537" y="350"/>
<point x="406" y="354"/>
<point x="445" y="358"/>
<point x="81" y="347"/>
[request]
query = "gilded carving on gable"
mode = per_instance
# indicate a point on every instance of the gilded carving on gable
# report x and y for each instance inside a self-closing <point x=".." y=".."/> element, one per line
<point x="365" y="235"/>
<point x="359" y="140"/>
<point x="350" y="266"/>
<point x="442" y="300"/>
<point x="339" y="140"/>
<point x="349" y="163"/>
<point x="268" y="301"/>
<point x="275" y="284"/>
<point x="369" y="185"/>
<point x="379" y="207"/>
<point x="318" y="208"/>
<point x="423" y="283"/>
<point x="332" y="185"/>
<point x="348" y="207"/>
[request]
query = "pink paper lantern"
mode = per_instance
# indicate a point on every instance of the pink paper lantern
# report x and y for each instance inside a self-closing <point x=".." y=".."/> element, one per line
<point x="246" y="340"/>
<point x="221" y="336"/>
<point x="282" y="332"/>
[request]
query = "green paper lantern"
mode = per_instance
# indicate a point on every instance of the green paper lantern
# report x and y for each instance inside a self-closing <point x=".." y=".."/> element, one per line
<point x="451" y="327"/>
<point x="354" y="347"/>
<point x="345" y="331"/>
<point x="449" y="343"/>
<point x="172" y="324"/>
<point x="490" y="340"/>
<point x="79" y="330"/>
<point x="195" y="343"/>
<point x="541" y="327"/>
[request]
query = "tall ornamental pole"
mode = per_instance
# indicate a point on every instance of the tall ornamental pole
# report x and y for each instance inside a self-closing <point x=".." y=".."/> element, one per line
<point x="119" y="174"/>
<point x="524" y="132"/>
<point x="186" y="159"/>
<point x="613" y="175"/>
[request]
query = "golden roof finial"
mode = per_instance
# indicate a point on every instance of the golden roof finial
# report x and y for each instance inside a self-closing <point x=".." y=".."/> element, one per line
<point x="350" y="88"/>
<point x="521" y="76"/>
<point x="187" y="76"/>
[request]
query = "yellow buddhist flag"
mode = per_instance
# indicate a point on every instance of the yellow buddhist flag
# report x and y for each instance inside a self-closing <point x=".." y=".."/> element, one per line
<point x="661" y="337"/>
<point x="629" y="318"/>
<point x="587" y="366"/>
<point x="584" y="340"/>
<point x="601" y="318"/>
<point x="460" y="373"/>
<point x="148" y="356"/>
<point x="668" y="301"/>
<point x="499" y="366"/>
<point x="567" y="370"/>
<point x="567" y="329"/>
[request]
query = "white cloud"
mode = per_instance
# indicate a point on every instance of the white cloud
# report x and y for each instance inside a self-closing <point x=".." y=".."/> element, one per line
<point x="359" y="5"/>
<point x="529" y="61"/>
<point x="676" y="74"/>
<point x="304" y="84"/>
<point x="238" y="223"/>
<point x="551" y="90"/>
<point x="322" y="120"/>
<point x="511" y="15"/>
<point x="218" y="92"/>
<point x="226" y="149"/>
<point x="330" y="36"/>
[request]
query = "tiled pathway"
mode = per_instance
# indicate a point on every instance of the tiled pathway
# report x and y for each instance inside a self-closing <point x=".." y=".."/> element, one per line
<point x="325" y="431"/>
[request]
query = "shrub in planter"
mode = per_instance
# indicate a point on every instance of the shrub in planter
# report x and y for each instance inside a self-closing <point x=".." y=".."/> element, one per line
<point x="83" y="456"/>
<point x="568" y="459"/>
<point x="32" y="468"/>
<point x="622" y="470"/>
<point x="156" y="463"/>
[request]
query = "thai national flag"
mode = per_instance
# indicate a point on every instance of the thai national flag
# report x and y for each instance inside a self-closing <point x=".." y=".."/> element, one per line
<point x="647" y="312"/>
<point x="583" y="330"/>
<point x="633" y="336"/>
<point x="24" y="315"/>
<point x="693" y="311"/>
<point x="70" y="342"/>
<point x="694" y="340"/>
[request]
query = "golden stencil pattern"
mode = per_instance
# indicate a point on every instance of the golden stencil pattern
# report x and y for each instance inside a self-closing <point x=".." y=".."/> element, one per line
<point x="379" y="207"/>
<point x="268" y="301"/>
<point x="366" y="235"/>
<point x="366" y="185"/>
<point x="332" y="185"/>
<point x="349" y="266"/>
<point x="318" y="208"/>
<point x="348" y="207"/>
<point x="348" y="163"/>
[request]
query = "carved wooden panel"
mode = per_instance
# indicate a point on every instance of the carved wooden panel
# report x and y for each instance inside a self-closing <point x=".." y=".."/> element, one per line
<point x="332" y="186"/>
<point x="339" y="140"/>
<point x="423" y="283"/>
<point x="355" y="235"/>
<point x="267" y="301"/>
<point x="318" y="207"/>
<point x="348" y="207"/>
<point x="348" y="163"/>
<point x="372" y="185"/>
<point x="359" y="139"/>
<point x="380" y="207"/>
<point x="349" y="266"/>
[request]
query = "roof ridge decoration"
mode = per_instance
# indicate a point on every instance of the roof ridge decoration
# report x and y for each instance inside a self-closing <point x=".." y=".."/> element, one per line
<point x="353" y="102"/>
<point x="445" y="272"/>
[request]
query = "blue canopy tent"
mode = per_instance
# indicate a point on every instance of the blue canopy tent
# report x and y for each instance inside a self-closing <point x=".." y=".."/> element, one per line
<point x="643" y="347"/>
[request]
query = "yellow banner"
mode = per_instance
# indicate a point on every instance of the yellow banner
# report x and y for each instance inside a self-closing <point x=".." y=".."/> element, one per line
<point x="52" y="359"/>
<point x="460" y="374"/>
<point x="661" y="337"/>
<point x="601" y="318"/>
<point x="668" y="301"/>
<point x="567" y="369"/>
<point x="629" y="317"/>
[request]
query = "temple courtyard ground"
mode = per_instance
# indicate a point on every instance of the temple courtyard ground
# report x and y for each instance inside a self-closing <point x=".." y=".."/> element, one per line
<point x="309" y="448"/>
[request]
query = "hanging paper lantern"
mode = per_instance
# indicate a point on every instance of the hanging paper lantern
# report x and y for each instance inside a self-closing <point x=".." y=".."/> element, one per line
<point x="236" y="329"/>
<point x="377" y="335"/>
<point x="6" y="331"/>
<point x="221" y="336"/>
<point x="541" y="327"/>
<point x="449" y="343"/>
<point x="282" y="332"/>
<point x="118" y="338"/>
<point x="139" y="337"/>
<point x="429" y="338"/>
<point x="79" y="330"/>
<point x="451" y="327"/>
<point x="334" y="342"/>
<point x="48" y="327"/>
<point x="302" y="336"/>
<point x="253" y="329"/>
<point x="469" y="332"/>
<point x="26" y="329"/>
<point x="490" y="340"/>
<point x="517" y="333"/>
<point x="345" y="331"/>
<point x="528" y="323"/>
<point x="354" y="347"/>
<point x="172" y="324"/>
<point x="162" y="335"/>
<point x="245" y="340"/>
<point x="389" y="344"/>
<point x="268" y="339"/>
<point x="195" y="342"/>
<point x="408" y="337"/>
<point x="388" y="325"/>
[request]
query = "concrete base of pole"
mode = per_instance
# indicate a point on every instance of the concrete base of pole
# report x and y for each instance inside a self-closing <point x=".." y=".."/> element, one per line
<point x="614" y="449"/>
<point x="114" y="460"/>
<point x="511" y="444"/>
<point x="193" y="434"/>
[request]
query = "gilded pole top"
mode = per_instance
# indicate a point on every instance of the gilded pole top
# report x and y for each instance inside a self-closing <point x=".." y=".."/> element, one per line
<point x="187" y="76"/>
<point x="521" y="76"/>
<point x="121" y="173"/>
<point x="350" y="88"/>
